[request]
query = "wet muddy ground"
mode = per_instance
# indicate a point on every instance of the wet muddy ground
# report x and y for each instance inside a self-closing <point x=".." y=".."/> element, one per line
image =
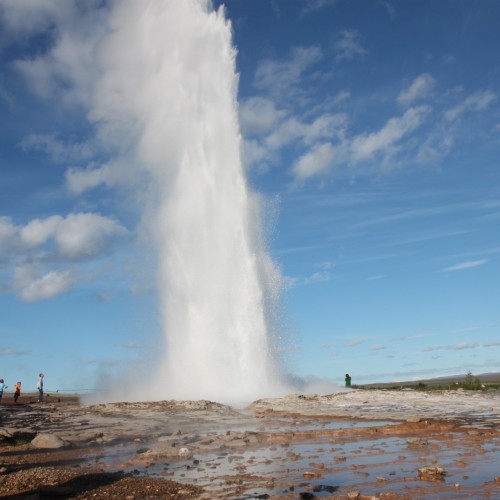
<point x="355" y="444"/>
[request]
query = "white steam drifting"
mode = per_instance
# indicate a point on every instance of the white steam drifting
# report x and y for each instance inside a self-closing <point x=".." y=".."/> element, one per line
<point x="174" y="84"/>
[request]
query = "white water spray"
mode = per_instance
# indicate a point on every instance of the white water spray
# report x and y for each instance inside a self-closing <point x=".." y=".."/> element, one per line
<point x="176" y="79"/>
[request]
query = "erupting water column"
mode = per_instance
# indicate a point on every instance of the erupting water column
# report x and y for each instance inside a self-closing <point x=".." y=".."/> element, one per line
<point x="216" y="282"/>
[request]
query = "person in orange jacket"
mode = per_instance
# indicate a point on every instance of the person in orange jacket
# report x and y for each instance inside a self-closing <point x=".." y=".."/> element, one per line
<point x="17" y="391"/>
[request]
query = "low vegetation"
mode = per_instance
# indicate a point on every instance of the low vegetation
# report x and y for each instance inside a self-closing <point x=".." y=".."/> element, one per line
<point x="469" y="382"/>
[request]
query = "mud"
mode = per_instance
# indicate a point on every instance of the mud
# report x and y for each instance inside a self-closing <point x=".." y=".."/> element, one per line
<point x="356" y="444"/>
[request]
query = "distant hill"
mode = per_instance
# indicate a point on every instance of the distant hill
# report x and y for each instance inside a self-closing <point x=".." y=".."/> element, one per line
<point x="489" y="380"/>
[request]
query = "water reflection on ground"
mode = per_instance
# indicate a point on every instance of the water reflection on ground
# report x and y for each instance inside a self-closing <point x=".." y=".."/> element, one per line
<point x="332" y="457"/>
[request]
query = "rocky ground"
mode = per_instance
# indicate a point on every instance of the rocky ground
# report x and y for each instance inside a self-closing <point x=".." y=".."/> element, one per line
<point x="355" y="444"/>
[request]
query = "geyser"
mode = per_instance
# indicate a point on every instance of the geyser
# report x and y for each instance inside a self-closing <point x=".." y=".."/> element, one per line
<point x="217" y="285"/>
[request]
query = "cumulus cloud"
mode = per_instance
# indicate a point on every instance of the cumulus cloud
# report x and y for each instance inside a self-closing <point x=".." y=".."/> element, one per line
<point x="419" y="88"/>
<point x="67" y="70"/>
<point x="77" y="236"/>
<point x="465" y="265"/>
<point x="40" y="247"/>
<point x="38" y="231"/>
<point x="348" y="46"/>
<point x="476" y="102"/>
<point x="85" y="235"/>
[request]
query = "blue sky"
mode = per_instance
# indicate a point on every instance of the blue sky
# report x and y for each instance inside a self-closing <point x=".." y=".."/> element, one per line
<point x="371" y="131"/>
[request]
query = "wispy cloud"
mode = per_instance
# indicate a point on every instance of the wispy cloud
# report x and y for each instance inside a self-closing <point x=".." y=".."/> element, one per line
<point x="131" y="345"/>
<point x="474" y="103"/>
<point x="376" y="278"/>
<point x="8" y="351"/>
<point x="419" y="88"/>
<point x="458" y="347"/>
<point x="465" y="265"/>
<point x="348" y="46"/>
<point x="353" y="342"/>
<point x="281" y="77"/>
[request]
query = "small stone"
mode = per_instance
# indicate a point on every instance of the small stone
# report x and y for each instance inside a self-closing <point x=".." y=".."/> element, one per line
<point x="417" y="442"/>
<point x="185" y="453"/>
<point x="353" y="495"/>
<point x="432" y="471"/>
<point x="308" y="473"/>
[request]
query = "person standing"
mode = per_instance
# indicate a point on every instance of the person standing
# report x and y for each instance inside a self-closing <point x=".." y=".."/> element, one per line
<point x="347" y="380"/>
<point x="17" y="391"/>
<point x="2" y="387"/>
<point x="40" y="387"/>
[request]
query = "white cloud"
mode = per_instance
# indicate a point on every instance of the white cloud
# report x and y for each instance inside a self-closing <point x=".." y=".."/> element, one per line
<point x="287" y="132"/>
<point x="354" y="342"/>
<point x="315" y="5"/>
<point x="78" y="236"/>
<point x="326" y="126"/>
<point x="364" y="146"/>
<point x="419" y="88"/>
<point x="281" y="77"/>
<point x="475" y="102"/>
<point x="8" y="351"/>
<point x="321" y="158"/>
<point x="8" y="235"/>
<point x="258" y="115"/>
<point x="376" y="278"/>
<point x="458" y="347"/>
<point x="68" y="68"/>
<point x="131" y="345"/>
<point x="377" y="347"/>
<point x="31" y="288"/>
<point x="317" y="278"/>
<point x="324" y="265"/>
<point x="113" y="174"/>
<point x="465" y="265"/>
<point x="22" y="18"/>
<point x="57" y="149"/>
<point x="348" y="46"/>
<point x="43" y="243"/>
<point x="316" y="161"/>
<point x="85" y="235"/>
<point x="38" y="231"/>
